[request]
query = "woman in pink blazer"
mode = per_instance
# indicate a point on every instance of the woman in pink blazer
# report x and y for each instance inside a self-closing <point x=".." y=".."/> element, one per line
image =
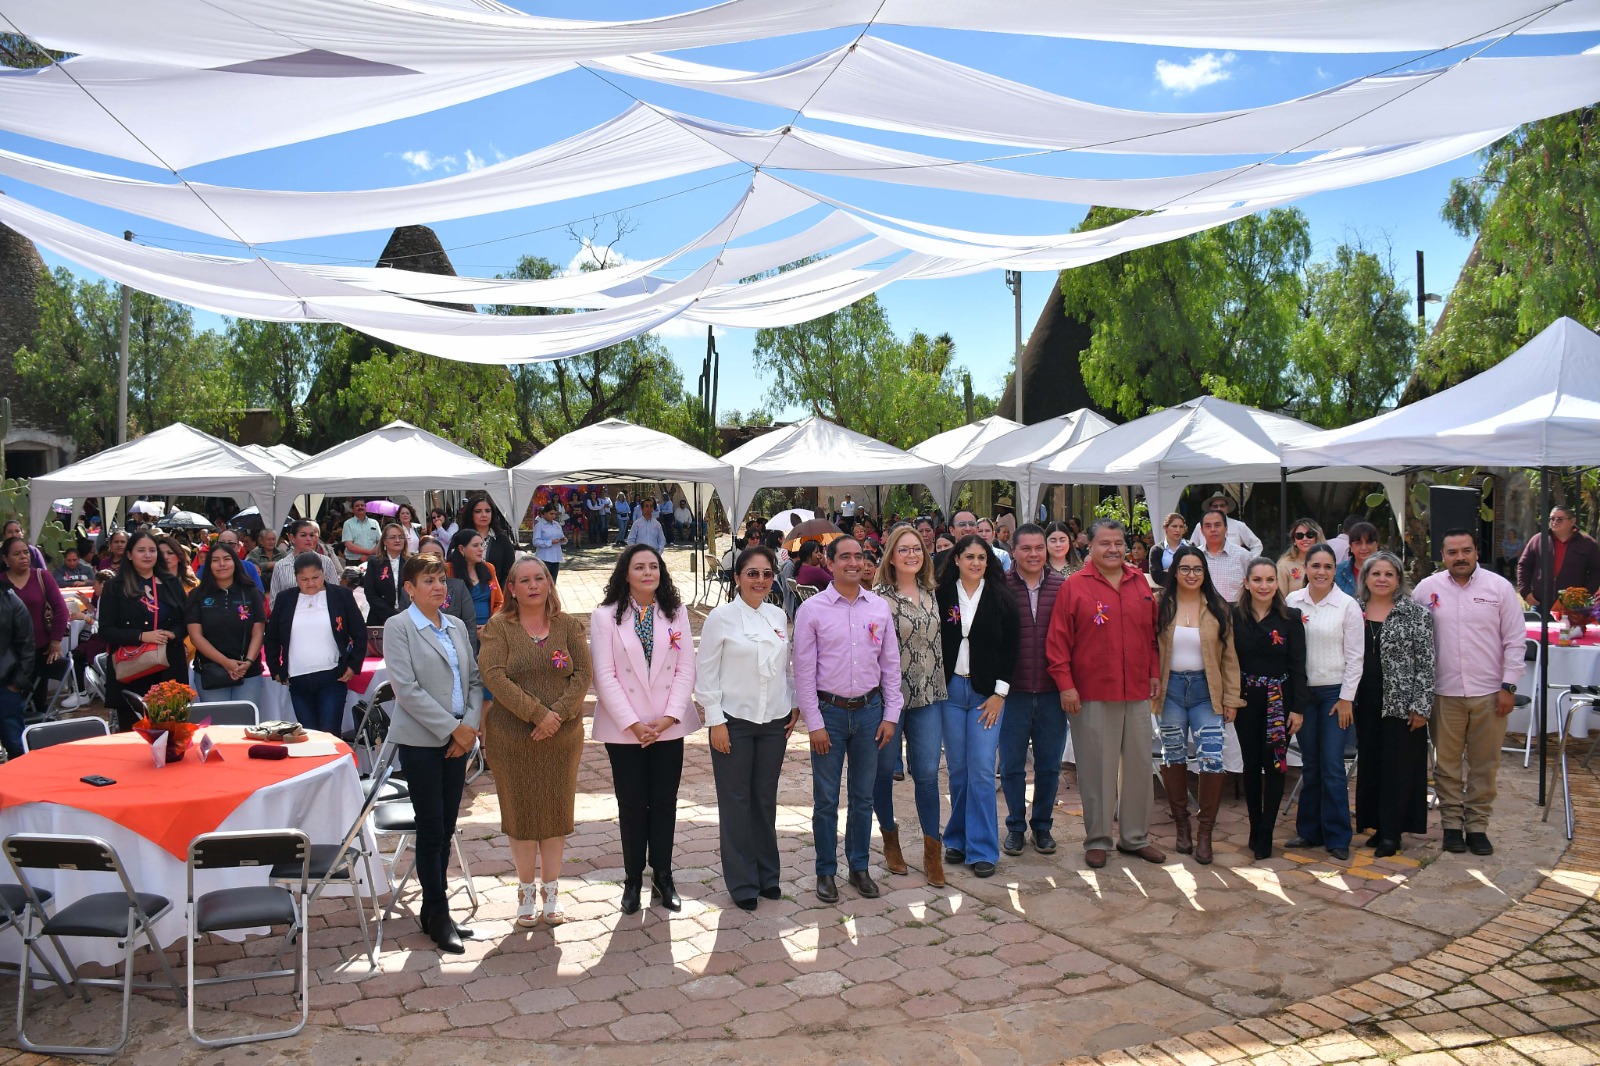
<point x="643" y="679"/>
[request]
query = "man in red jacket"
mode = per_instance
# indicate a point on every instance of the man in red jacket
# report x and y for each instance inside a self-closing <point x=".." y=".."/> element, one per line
<point x="1101" y="650"/>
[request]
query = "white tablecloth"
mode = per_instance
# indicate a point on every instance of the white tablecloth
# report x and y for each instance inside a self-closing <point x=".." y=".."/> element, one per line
<point x="1568" y="666"/>
<point x="322" y="801"/>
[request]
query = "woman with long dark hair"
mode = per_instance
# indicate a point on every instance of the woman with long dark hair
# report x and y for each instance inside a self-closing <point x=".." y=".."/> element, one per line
<point x="1199" y="691"/>
<point x="406" y="519"/>
<point x="482" y="578"/>
<point x="175" y="561"/>
<point x="979" y="630"/>
<point x="643" y="657"/>
<point x="144" y="605"/>
<point x="226" y="617"/>
<point x="47" y="610"/>
<point x="1270" y="639"/>
<point x="1060" y="553"/>
<point x="481" y="516"/>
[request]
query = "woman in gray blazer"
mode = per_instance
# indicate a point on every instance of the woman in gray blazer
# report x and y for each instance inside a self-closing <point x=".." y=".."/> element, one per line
<point x="438" y="701"/>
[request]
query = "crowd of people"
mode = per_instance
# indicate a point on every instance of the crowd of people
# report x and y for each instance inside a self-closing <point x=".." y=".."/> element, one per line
<point x="976" y="642"/>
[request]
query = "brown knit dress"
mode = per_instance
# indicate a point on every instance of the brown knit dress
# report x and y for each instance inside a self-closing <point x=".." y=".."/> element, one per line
<point x="537" y="780"/>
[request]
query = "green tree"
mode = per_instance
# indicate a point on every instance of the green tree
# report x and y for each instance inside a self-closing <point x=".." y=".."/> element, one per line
<point x="1211" y="313"/>
<point x="1357" y="343"/>
<point x="275" y="363"/>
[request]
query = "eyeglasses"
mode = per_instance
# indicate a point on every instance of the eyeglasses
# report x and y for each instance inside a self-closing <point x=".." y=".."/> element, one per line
<point x="759" y="575"/>
<point x="909" y="549"/>
<point x="1305" y="534"/>
<point x="1191" y="571"/>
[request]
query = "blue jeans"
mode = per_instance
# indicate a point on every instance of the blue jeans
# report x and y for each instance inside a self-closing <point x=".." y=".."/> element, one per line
<point x="1187" y="709"/>
<point x="13" y="711"/>
<point x="970" y="751"/>
<point x="922" y="729"/>
<point x="852" y="735"/>
<point x="318" y="700"/>
<point x="1031" y="718"/>
<point x="1324" y="813"/>
<point x="253" y="689"/>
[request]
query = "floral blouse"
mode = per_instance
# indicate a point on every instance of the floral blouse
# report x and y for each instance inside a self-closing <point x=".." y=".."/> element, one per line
<point x="916" y="624"/>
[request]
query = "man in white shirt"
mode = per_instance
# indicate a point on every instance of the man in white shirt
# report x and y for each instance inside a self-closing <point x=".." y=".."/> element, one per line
<point x="1226" y="561"/>
<point x="624" y="512"/>
<point x="303" y="536"/>
<point x="360" y="534"/>
<point x="647" y="528"/>
<point x="1239" y="534"/>
<point x="1341" y="543"/>
<point x="667" y="516"/>
<point x="847" y="509"/>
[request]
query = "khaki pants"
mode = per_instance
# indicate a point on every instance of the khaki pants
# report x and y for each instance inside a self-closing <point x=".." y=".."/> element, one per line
<point x="1106" y="738"/>
<point x="1466" y="728"/>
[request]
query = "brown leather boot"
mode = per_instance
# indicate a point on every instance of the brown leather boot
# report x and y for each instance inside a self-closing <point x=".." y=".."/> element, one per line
<point x="933" y="861"/>
<point x="892" y="858"/>
<point x="1175" y="780"/>
<point x="1210" y="800"/>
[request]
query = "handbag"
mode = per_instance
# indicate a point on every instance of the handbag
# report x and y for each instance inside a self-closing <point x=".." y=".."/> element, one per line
<point x="214" y="675"/>
<point x="133" y="661"/>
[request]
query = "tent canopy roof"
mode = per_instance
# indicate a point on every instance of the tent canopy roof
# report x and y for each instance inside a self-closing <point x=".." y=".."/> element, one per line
<point x="1538" y="407"/>
<point x="945" y="447"/>
<point x="616" y="451"/>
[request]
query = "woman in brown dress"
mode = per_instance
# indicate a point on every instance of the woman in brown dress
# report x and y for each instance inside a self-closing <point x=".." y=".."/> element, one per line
<point x="535" y="659"/>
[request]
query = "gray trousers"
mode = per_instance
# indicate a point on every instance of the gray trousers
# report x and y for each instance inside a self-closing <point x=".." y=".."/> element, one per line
<point x="1108" y="738"/>
<point x="747" y="805"/>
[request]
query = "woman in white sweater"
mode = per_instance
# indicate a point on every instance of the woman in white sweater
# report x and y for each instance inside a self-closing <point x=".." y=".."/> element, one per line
<point x="1335" y="653"/>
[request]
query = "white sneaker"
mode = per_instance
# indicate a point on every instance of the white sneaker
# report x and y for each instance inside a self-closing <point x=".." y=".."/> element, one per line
<point x="528" y="908"/>
<point x="73" y="702"/>
<point x="553" y="915"/>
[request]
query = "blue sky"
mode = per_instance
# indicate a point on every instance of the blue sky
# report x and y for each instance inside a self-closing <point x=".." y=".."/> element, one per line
<point x="1399" y="216"/>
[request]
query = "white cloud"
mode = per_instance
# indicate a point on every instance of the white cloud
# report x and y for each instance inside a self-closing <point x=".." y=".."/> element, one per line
<point x="475" y="161"/>
<point x="1202" y="70"/>
<point x="422" y="161"/>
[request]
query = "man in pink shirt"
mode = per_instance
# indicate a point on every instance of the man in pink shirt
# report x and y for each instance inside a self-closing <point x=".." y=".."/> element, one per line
<point x="1478" y="640"/>
<point x="847" y="682"/>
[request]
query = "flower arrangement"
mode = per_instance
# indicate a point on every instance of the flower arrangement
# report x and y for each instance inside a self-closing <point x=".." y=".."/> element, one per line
<point x="1576" y="600"/>
<point x="168" y="706"/>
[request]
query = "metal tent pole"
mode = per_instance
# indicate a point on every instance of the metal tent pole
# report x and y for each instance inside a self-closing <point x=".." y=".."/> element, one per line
<point x="1547" y="586"/>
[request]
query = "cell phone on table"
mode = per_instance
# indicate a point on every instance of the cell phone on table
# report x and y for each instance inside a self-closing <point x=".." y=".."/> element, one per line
<point x="97" y="780"/>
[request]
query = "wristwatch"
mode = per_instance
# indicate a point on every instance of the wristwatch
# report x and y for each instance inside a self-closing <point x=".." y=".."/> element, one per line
<point x="1506" y="686"/>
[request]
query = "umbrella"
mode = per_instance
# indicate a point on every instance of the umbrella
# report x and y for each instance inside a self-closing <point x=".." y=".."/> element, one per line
<point x="784" y="521"/>
<point x="184" y="520"/>
<point x="818" y="529"/>
<point x="149" y="507"/>
<point x="249" y="518"/>
<point x="387" y="508"/>
<point x="64" y="506"/>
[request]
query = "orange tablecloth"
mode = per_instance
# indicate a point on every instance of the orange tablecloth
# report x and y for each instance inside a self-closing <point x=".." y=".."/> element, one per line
<point x="169" y="806"/>
<point x="1590" y="638"/>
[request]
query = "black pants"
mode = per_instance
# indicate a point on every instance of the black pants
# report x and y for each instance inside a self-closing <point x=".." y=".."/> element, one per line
<point x="1391" y="774"/>
<point x="1263" y="781"/>
<point x="555" y="570"/>
<point x="436" y="784"/>
<point x="646" y="781"/>
<point x="747" y="805"/>
<point x="43" y="673"/>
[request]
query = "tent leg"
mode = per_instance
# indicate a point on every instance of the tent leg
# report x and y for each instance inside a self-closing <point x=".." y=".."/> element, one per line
<point x="1547" y="585"/>
<point x="1283" y="507"/>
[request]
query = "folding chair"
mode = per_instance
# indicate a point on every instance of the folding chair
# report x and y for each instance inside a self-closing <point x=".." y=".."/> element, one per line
<point x="123" y="916"/>
<point x="65" y="688"/>
<point x="805" y="592"/>
<point x="15" y="913"/>
<point x="1296" y="759"/>
<point x="334" y="864"/>
<point x="95" y="673"/>
<point x="1524" y="704"/>
<point x="398" y="817"/>
<point x="229" y="909"/>
<point x="227" y="712"/>
<point x="1564" y="704"/>
<point x="372" y="725"/>
<point x="48" y="734"/>
<point x="716" y="576"/>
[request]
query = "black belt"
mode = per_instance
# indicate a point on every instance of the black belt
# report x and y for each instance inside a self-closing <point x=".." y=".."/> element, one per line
<point x="848" y="703"/>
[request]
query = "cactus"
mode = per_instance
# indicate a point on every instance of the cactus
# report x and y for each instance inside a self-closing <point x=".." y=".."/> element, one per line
<point x="54" y="539"/>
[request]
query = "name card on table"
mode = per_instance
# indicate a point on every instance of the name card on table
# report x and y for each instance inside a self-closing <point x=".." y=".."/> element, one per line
<point x="158" y="748"/>
<point x="312" y="749"/>
<point x="208" y="748"/>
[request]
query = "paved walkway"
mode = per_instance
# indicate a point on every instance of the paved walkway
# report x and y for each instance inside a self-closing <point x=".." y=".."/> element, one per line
<point x="1298" y="960"/>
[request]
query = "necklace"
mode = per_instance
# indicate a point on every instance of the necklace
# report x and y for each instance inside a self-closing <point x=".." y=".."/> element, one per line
<point x="537" y="638"/>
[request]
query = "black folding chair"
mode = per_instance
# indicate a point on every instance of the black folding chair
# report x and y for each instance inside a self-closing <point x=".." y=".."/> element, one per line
<point x="334" y="864"/>
<point x="232" y="909"/>
<point x="65" y="731"/>
<point x="398" y="817"/>
<point x="123" y="916"/>
<point x="227" y="712"/>
<point x="372" y="725"/>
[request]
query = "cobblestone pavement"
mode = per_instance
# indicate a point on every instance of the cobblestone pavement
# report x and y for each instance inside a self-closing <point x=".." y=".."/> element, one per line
<point x="1297" y="960"/>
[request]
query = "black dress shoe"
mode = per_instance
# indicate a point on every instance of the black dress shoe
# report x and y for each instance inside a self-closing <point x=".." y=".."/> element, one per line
<point x="630" y="894"/>
<point x="463" y="931"/>
<point x="745" y="904"/>
<point x="1043" y="842"/>
<point x="1372" y="841"/>
<point x="772" y="893"/>
<point x="1478" y="844"/>
<point x="1012" y="844"/>
<point x="954" y="857"/>
<point x="1342" y="854"/>
<point x="827" y="888"/>
<point x="664" y="892"/>
<point x="1300" y="842"/>
<point x="1455" y="841"/>
<point x="899" y="775"/>
<point x="1259" y="852"/>
<point x="442" y="930"/>
<point x="1385" y="848"/>
<point x="983" y="869"/>
<point x="862" y="882"/>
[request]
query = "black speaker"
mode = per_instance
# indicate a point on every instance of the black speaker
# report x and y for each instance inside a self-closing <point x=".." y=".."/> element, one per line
<point x="1452" y="508"/>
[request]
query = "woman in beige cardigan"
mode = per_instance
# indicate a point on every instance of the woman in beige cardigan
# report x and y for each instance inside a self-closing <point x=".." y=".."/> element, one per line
<point x="1198" y="692"/>
<point x="535" y="659"/>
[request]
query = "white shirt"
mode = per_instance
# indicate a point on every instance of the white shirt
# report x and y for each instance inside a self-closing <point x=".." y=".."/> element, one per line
<point x="743" y="668"/>
<point x="1228" y="569"/>
<point x="969" y="609"/>
<point x="311" y="645"/>
<point x="1240" y="535"/>
<point x="1186" y="655"/>
<point x="847" y="509"/>
<point x="1335" y="648"/>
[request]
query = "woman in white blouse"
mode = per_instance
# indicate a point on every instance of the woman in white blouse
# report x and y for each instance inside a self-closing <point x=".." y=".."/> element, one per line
<point x="1335" y="652"/>
<point x="745" y="685"/>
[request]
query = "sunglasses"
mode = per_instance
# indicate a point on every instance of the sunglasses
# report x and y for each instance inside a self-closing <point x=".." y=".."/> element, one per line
<point x="759" y="575"/>
<point x="1305" y="535"/>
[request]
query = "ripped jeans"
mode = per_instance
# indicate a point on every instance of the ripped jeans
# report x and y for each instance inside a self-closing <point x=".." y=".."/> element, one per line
<point x="1187" y="709"/>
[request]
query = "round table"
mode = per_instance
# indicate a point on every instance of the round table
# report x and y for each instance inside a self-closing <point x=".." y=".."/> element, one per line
<point x="151" y="814"/>
<point x="1575" y="665"/>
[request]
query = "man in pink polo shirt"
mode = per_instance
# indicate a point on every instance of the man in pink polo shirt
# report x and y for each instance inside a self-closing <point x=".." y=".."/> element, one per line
<point x="1478" y="637"/>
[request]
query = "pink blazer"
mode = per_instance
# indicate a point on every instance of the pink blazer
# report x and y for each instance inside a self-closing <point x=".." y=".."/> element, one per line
<point x="627" y="689"/>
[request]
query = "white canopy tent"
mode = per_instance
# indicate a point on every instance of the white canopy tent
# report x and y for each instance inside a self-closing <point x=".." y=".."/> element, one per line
<point x="814" y="451"/>
<point x="944" y="447"/>
<point x="616" y="451"/>
<point x="1201" y="440"/>
<point x="176" y="461"/>
<point x="1539" y="407"/>
<point x="398" y="459"/>
<point x="1008" y="458"/>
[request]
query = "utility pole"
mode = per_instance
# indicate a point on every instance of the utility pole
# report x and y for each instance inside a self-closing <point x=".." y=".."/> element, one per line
<point x="122" y="358"/>
<point x="1424" y="297"/>
<point x="1014" y="283"/>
